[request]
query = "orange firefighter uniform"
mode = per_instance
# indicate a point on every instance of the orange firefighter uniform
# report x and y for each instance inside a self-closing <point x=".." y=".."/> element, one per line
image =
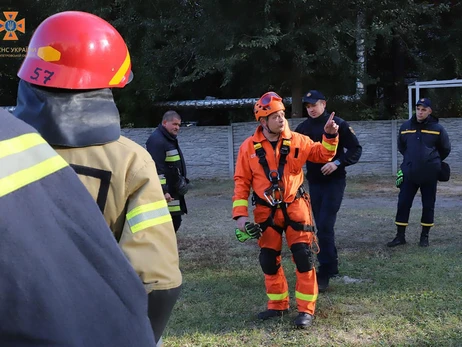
<point x="292" y="214"/>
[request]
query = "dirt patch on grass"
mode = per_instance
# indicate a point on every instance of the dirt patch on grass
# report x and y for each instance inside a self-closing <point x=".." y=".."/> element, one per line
<point x="365" y="221"/>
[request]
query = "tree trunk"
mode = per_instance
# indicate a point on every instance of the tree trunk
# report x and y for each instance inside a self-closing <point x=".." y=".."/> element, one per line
<point x="361" y="62"/>
<point x="297" y="107"/>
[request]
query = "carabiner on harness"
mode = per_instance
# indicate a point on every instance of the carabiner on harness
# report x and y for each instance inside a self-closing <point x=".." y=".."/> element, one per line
<point x="274" y="194"/>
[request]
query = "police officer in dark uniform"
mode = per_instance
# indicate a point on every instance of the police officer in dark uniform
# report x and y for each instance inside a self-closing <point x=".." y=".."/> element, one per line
<point x="171" y="168"/>
<point x="327" y="181"/>
<point x="424" y="144"/>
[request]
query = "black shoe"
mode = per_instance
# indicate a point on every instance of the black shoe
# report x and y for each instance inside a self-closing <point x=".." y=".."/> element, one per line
<point x="331" y="269"/>
<point x="271" y="313"/>
<point x="398" y="240"/>
<point x="335" y="274"/>
<point x="323" y="281"/>
<point x="423" y="241"/>
<point x="303" y="320"/>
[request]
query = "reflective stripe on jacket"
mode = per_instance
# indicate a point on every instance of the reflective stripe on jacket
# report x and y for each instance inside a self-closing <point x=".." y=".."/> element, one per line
<point x="249" y="173"/>
<point x="423" y="146"/>
<point x="122" y="178"/>
<point x="170" y="163"/>
<point x="64" y="280"/>
<point x="26" y="159"/>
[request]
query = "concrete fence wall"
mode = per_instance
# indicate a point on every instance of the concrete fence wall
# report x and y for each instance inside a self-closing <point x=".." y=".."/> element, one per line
<point x="210" y="152"/>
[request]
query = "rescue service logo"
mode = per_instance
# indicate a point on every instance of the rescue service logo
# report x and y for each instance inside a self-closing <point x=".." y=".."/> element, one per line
<point x="11" y="26"/>
<point x="9" y="29"/>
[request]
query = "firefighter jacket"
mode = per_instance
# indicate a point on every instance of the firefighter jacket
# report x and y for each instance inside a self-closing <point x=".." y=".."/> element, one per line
<point x="84" y="127"/>
<point x="171" y="167"/>
<point x="348" y="152"/>
<point x="250" y="174"/>
<point x="64" y="280"/>
<point x="423" y="146"/>
<point x="122" y="178"/>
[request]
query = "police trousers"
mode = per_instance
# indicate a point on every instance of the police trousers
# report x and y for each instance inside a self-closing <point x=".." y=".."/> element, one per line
<point x="326" y="199"/>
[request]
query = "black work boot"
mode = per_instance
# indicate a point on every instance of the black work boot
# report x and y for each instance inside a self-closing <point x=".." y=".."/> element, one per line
<point x="423" y="241"/>
<point x="323" y="281"/>
<point x="330" y="268"/>
<point x="271" y="313"/>
<point x="424" y="237"/>
<point x="399" y="239"/>
<point x="303" y="320"/>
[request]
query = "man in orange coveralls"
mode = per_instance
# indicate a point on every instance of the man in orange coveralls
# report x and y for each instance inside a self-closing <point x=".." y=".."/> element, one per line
<point x="270" y="162"/>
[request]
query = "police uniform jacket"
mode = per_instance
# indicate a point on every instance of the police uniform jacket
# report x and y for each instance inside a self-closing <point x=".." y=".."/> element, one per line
<point x="423" y="146"/>
<point x="348" y="152"/>
<point x="171" y="167"/>
<point x="64" y="280"/>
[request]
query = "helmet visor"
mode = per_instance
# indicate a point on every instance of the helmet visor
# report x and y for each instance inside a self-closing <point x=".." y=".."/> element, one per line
<point x="266" y="99"/>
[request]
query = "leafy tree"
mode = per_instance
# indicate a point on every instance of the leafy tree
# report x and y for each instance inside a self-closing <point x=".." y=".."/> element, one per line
<point x="184" y="49"/>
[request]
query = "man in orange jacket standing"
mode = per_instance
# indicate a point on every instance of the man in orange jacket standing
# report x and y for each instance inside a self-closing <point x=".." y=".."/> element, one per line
<point x="270" y="162"/>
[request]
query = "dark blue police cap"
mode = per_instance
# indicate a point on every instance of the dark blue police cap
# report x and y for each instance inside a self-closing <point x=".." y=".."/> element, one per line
<point x="312" y="97"/>
<point x="424" y="102"/>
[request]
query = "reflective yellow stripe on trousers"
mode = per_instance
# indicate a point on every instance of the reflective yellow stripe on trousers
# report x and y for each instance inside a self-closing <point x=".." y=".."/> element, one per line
<point x="148" y="215"/>
<point x="277" y="296"/>
<point x="26" y="159"/>
<point x="306" y="297"/>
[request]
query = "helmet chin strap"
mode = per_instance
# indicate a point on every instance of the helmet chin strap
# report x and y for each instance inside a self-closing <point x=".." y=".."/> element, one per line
<point x="266" y="127"/>
<point x="268" y="130"/>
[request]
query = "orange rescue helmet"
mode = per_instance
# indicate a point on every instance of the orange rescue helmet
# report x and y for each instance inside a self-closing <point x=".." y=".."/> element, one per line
<point x="76" y="50"/>
<point x="269" y="103"/>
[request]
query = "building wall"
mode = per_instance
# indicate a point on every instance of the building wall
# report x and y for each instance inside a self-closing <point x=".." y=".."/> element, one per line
<point x="210" y="152"/>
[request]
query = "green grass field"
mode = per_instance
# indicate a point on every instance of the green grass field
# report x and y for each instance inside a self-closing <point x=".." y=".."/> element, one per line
<point x="406" y="296"/>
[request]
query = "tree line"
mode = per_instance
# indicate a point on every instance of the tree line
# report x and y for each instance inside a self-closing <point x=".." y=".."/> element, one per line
<point x="361" y="54"/>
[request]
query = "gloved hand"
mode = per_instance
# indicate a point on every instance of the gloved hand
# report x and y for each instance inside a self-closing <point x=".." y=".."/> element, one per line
<point x="399" y="178"/>
<point x="252" y="231"/>
<point x="183" y="187"/>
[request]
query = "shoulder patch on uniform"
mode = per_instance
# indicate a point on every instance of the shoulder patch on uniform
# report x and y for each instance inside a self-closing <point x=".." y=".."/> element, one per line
<point x="351" y="129"/>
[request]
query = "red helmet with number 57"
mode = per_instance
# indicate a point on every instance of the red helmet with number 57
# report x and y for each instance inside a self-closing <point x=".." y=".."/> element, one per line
<point x="76" y="50"/>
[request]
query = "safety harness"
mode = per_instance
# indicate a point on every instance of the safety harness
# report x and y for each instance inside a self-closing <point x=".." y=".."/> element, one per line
<point x="274" y="195"/>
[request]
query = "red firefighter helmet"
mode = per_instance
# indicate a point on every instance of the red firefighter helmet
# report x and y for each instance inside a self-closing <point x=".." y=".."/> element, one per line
<point x="76" y="50"/>
<point x="269" y="103"/>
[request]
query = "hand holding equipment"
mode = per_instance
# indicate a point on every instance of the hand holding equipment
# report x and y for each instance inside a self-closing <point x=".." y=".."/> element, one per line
<point x="252" y="231"/>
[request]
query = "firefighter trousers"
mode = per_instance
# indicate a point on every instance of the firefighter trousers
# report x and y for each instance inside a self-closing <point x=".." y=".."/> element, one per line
<point x="299" y="242"/>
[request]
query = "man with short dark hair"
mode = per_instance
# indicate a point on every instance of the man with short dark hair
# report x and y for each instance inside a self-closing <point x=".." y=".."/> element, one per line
<point x="171" y="168"/>
<point x="327" y="181"/>
<point x="424" y="144"/>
